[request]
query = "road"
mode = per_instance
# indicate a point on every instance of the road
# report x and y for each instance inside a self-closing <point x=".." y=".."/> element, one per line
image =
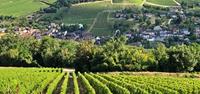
<point x="153" y="4"/>
<point x="68" y="70"/>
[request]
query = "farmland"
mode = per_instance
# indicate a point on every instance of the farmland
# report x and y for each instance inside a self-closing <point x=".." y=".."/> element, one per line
<point x="55" y="81"/>
<point x="94" y="15"/>
<point x="163" y="2"/>
<point x="135" y="2"/>
<point x="21" y="7"/>
<point x="188" y="1"/>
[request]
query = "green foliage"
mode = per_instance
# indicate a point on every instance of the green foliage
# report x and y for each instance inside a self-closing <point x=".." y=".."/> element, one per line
<point x="167" y="85"/>
<point x="114" y="55"/>
<point x="160" y="2"/>
<point x="46" y="80"/>
<point x="147" y="88"/>
<point x="132" y="88"/>
<point x="182" y="58"/>
<point x="36" y="80"/>
<point x="19" y="7"/>
<point x="154" y="88"/>
<point x="76" y="88"/>
<point x="99" y="87"/>
<point x="86" y="83"/>
<point x="18" y="51"/>
<point x="114" y="88"/>
<point x="65" y="84"/>
<point x="54" y="84"/>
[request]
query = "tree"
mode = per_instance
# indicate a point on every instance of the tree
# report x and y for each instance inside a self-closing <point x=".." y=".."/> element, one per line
<point x="84" y="55"/>
<point x="181" y="58"/>
<point x="160" y="53"/>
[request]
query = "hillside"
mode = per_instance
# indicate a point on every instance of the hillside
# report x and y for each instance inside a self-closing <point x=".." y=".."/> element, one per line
<point x="100" y="46"/>
<point x="21" y="7"/>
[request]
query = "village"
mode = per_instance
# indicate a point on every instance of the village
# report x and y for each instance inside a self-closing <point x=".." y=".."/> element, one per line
<point x="146" y="25"/>
<point x="160" y="26"/>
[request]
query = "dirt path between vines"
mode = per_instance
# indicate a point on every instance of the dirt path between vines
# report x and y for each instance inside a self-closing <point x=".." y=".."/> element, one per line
<point x="81" y="87"/>
<point x="59" y="86"/>
<point x="96" y="19"/>
<point x="94" y="22"/>
<point x="70" y="87"/>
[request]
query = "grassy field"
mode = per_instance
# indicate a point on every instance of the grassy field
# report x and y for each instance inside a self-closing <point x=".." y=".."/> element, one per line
<point x="103" y="25"/>
<point x="163" y="2"/>
<point x="55" y="81"/>
<point x="87" y="13"/>
<point x="188" y="1"/>
<point x="21" y="7"/>
<point x="135" y="2"/>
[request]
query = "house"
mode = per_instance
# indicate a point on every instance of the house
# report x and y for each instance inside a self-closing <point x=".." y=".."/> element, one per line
<point x="147" y="35"/>
<point x="71" y="36"/>
<point x="157" y="28"/>
<point x="163" y="15"/>
<point x="98" y="40"/>
<point x="117" y="15"/>
<point x="86" y="36"/>
<point x="158" y="38"/>
<point x="128" y="34"/>
<point x="185" y="31"/>
<point x="81" y="26"/>
<point x="151" y="39"/>
<point x="174" y="16"/>
<point x="197" y="31"/>
<point x="149" y="15"/>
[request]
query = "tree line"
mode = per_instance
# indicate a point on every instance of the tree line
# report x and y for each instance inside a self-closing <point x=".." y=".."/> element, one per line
<point x="114" y="55"/>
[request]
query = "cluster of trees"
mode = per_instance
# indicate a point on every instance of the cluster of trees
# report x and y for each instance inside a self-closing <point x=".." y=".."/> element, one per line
<point x="189" y="4"/>
<point x="114" y="55"/>
<point x="48" y="52"/>
<point x="73" y="27"/>
<point x="56" y="6"/>
<point x="62" y="3"/>
<point x="7" y="17"/>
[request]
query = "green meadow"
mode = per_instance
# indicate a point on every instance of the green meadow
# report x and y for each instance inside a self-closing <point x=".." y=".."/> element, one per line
<point x="87" y="13"/>
<point x="135" y="2"/>
<point x="163" y="2"/>
<point x="21" y="7"/>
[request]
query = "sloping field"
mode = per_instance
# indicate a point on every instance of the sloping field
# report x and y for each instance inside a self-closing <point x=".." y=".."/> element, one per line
<point x="103" y="25"/>
<point x="55" y="81"/>
<point x="93" y="14"/>
<point x="188" y="1"/>
<point x="21" y="7"/>
<point x="88" y="14"/>
<point x="135" y="2"/>
<point x="162" y="2"/>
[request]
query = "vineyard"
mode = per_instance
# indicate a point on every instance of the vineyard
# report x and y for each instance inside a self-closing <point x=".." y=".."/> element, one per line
<point x="55" y="81"/>
<point x="163" y="2"/>
<point x="21" y="7"/>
